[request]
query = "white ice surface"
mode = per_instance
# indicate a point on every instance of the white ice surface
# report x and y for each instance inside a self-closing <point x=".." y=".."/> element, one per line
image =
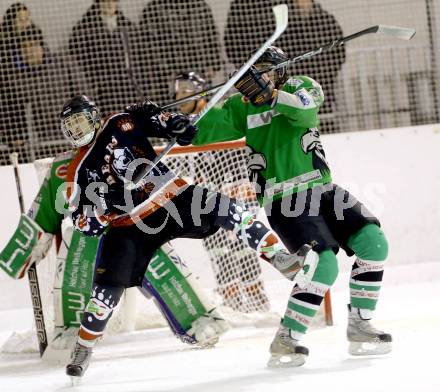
<point x="156" y="361"/>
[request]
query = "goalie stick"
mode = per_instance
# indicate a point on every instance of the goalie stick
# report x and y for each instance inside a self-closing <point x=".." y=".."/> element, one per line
<point x="281" y="18"/>
<point x="32" y="272"/>
<point x="384" y="30"/>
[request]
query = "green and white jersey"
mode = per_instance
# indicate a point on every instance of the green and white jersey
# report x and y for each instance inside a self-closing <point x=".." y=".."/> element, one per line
<point x="286" y="153"/>
<point x="50" y="202"/>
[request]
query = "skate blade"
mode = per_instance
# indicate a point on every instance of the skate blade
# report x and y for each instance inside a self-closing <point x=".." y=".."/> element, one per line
<point x="75" y="381"/>
<point x="286" y="360"/>
<point x="369" y="348"/>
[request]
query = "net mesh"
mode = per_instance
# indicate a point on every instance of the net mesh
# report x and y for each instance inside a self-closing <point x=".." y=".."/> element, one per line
<point x="120" y="51"/>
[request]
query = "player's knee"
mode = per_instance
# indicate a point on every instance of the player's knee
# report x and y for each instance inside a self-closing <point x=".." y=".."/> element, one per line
<point x="369" y="243"/>
<point x="327" y="269"/>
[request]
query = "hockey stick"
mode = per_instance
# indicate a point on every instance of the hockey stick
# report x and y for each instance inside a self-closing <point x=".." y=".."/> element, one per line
<point x="32" y="272"/>
<point x="281" y="18"/>
<point x="384" y="30"/>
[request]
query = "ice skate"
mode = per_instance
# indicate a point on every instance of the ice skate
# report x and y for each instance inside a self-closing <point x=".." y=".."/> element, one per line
<point x="286" y="351"/>
<point x="79" y="362"/>
<point x="363" y="338"/>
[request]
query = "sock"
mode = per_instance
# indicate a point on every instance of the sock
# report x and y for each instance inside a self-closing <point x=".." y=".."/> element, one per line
<point x="304" y="303"/>
<point x="97" y="313"/>
<point x="371" y="249"/>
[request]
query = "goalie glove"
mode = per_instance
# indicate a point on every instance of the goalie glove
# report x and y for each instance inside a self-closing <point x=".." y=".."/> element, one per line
<point x="207" y="329"/>
<point x="179" y="126"/>
<point x="257" y="88"/>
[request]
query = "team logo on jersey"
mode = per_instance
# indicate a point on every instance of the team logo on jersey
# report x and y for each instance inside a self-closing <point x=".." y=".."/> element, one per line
<point x="61" y="171"/>
<point x="125" y="124"/>
<point x="122" y="157"/>
<point x="255" y="163"/>
<point x="92" y="176"/>
<point x="295" y="82"/>
<point x="303" y="98"/>
<point x="311" y="143"/>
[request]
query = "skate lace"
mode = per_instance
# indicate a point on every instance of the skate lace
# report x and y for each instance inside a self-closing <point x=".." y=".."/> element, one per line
<point x="365" y="326"/>
<point x="283" y="260"/>
<point x="285" y="339"/>
<point x="80" y="355"/>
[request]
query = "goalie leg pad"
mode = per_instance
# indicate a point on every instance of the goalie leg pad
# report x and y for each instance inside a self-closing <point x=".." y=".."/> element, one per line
<point x="191" y="316"/>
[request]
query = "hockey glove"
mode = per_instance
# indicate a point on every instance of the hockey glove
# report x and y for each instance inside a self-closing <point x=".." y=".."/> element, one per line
<point x="145" y="109"/>
<point x="258" y="89"/>
<point x="179" y="126"/>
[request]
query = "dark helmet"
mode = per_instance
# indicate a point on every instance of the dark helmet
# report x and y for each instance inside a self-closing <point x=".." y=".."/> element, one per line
<point x="274" y="56"/>
<point x="189" y="82"/>
<point x="80" y="120"/>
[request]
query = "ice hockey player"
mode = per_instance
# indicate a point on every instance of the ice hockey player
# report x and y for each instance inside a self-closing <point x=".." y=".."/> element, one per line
<point x="236" y="267"/>
<point x="279" y="119"/>
<point x="196" y="323"/>
<point x="139" y="216"/>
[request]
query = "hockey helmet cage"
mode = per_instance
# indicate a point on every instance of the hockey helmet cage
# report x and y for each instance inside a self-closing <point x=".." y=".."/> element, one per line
<point x="274" y="56"/>
<point x="80" y="120"/>
<point x="189" y="82"/>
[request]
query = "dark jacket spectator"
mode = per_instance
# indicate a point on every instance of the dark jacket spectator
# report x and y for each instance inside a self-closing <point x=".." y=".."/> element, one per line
<point x="97" y="44"/>
<point x="40" y="83"/>
<point x="15" y="20"/>
<point x="179" y="35"/>
<point x="310" y="26"/>
<point x="249" y="24"/>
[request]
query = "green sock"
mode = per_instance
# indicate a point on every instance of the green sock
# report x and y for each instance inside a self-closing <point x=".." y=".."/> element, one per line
<point x="371" y="249"/>
<point x="304" y="303"/>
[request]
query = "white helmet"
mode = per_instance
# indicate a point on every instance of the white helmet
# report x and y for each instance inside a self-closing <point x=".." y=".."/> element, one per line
<point x="80" y="120"/>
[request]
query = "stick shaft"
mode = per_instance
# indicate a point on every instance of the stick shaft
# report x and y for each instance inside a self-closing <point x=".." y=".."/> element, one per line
<point x="32" y="272"/>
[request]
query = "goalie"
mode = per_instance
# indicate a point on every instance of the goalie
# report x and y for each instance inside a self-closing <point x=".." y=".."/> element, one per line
<point x="167" y="279"/>
<point x="137" y="220"/>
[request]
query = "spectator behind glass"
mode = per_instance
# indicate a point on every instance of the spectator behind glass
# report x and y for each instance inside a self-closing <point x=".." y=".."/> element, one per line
<point x="310" y="26"/>
<point x="249" y="24"/>
<point x="97" y="44"/>
<point x="177" y="35"/>
<point x="15" y="20"/>
<point x="41" y="83"/>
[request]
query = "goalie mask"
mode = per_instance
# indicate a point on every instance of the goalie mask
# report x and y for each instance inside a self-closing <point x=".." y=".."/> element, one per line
<point x="80" y="120"/>
<point x="274" y="56"/>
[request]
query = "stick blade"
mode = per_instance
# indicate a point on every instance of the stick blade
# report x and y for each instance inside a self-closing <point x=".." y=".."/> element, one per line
<point x="396" y="32"/>
<point x="281" y="17"/>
